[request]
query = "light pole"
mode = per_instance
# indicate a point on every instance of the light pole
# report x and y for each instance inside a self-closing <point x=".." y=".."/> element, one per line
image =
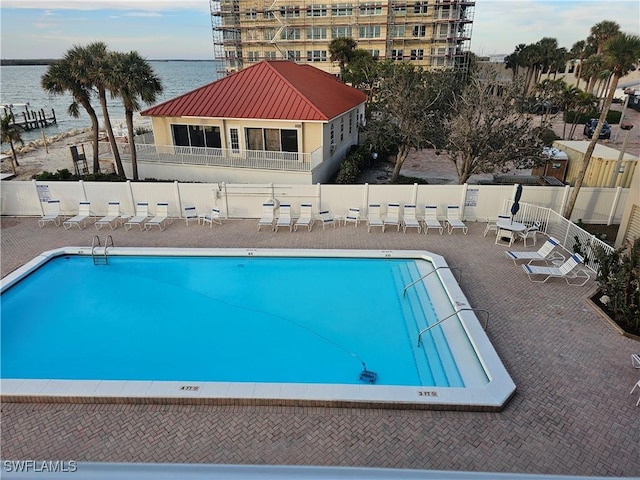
<point x="616" y="170"/>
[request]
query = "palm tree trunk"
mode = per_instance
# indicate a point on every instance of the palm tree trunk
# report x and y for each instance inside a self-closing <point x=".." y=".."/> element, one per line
<point x="592" y="145"/>
<point x="112" y="141"/>
<point x="132" y="143"/>
<point x="14" y="155"/>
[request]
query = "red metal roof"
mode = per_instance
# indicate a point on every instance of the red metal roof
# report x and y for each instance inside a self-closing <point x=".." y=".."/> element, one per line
<point x="271" y="89"/>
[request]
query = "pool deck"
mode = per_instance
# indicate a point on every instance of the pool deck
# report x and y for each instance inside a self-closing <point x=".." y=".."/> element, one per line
<point x="572" y="413"/>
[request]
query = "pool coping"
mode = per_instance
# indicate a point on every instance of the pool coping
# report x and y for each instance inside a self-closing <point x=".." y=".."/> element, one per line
<point x="490" y="397"/>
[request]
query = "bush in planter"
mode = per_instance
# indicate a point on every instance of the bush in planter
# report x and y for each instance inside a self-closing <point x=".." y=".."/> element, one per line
<point x="619" y="281"/>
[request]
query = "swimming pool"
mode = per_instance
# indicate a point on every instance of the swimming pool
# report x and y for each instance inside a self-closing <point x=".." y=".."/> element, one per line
<point x="245" y="325"/>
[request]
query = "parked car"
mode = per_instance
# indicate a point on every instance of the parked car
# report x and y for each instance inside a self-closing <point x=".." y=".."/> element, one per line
<point x="545" y="107"/>
<point x="591" y="125"/>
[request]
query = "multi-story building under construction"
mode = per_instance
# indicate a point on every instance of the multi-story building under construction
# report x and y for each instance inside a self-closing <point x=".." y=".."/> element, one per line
<point x="431" y="33"/>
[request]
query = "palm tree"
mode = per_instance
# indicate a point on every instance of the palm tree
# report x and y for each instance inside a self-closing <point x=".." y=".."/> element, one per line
<point x="341" y="50"/>
<point x="133" y="80"/>
<point x="620" y="53"/>
<point x="601" y="33"/>
<point x="515" y="60"/>
<point x="94" y="62"/>
<point x="585" y="102"/>
<point x="60" y="78"/>
<point x="11" y="133"/>
<point x="579" y="51"/>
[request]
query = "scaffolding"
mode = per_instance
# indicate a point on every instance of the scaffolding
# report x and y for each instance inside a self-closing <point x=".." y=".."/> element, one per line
<point x="434" y="34"/>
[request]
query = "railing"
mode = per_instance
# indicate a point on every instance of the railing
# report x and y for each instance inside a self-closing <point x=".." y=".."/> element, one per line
<point x="404" y="292"/>
<point x="221" y="157"/>
<point x="573" y="238"/>
<point x="486" y="322"/>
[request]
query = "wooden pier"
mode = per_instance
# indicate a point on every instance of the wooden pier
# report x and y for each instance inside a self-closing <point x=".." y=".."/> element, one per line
<point x="29" y="119"/>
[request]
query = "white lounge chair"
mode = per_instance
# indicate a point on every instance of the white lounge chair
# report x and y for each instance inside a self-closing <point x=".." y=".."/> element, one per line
<point x="453" y="219"/>
<point x="141" y="216"/>
<point x="635" y="360"/>
<point x="191" y="215"/>
<point x="51" y="213"/>
<point x="492" y="226"/>
<point x="161" y="219"/>
<point x="530" y="233"/>
<point x="112" y="218"/>
<point x="284" y="217"/>
<point x="80" y="220"/>
<point x="326" y="217"/>
<point x="431" y="219"/>
<point x="352" y="216"/>
<point x="634" y="387"/>
<point x="393" y="215"/>
<point x="409" y="219"/>
<point x="373" y="217"/>
<point x="305" y="219"/>
<point x="267" y="217"/>
<point x="569" y="270"/>
<point x="545" y="253"/>
<point x="210" y="219"/>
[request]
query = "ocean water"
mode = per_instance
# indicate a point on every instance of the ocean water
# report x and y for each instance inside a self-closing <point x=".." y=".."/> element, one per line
<point x="21" y="84"/>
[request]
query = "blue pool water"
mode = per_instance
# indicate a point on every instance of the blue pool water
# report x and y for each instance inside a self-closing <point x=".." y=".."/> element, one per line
<point x="232" y="319"/>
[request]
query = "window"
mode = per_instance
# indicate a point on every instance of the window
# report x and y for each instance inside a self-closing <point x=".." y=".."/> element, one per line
<point x="270" y="55"/>
<point x="272" y="139"/>
<point x="235" y="141"/>
<point x="350" y="122"/>
<point x="290" y="34"/>
<point x="417" y="54"/>
<point x="342" y="10"/>
<point x="332" y="141"/>
<point x="251" y="14"/>
<point x="396" y="54"/>
<point x="268" y="15"/>
<point x="400" y="9"/>
<point x="196" y="136"/>
<point x="370" y="31"/>
<point x="419" y="30"/>
<point x="317" y="11"/>
<point x="253" y="56"/>
<point x="341" y="129"/>
<point x="293" y="55"/>
<point x="397" y="31"/>
<point x="337" y="32"/>
<point x="269" y="33"/>
<point x="371" y="9"/>
<point x="374" y="53"/>
<point x="316" y="33"/>
<point x="290" y="12"/>
<point x="420" y="7"/>
<point x="316" y="56"/>
<point x="252" y="35"/>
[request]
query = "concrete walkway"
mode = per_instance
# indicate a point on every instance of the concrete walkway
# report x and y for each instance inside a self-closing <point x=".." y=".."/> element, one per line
<point x="572" y="413"/>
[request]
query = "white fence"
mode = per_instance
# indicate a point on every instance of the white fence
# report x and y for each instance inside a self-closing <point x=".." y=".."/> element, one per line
<point x="477" y="202"/>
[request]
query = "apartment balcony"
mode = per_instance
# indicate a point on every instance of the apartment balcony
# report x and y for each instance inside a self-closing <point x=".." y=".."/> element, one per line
<point x="220" y="157"/>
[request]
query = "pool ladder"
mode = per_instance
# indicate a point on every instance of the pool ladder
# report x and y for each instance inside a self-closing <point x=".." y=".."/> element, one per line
<point x="104" y="258"/>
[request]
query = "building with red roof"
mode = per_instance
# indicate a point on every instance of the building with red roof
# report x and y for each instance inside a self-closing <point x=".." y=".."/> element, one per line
<point x="276" y="121"/>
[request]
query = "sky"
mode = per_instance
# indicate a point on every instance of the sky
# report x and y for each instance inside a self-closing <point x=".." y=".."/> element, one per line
<point x="181" y="29"/>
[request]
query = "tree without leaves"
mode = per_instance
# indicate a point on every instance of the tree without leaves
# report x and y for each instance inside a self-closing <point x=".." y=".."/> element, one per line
<point x="61" y="77"/>
<point x="133" y="80"/>
<point x="406" y="111"/>
<point x="487" y="132"/>
<point x="620" y="54"/>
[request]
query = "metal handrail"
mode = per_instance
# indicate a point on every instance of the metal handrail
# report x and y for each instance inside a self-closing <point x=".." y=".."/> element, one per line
<point x="486" y="322"/>
<point x="108" y="242"/>
<point x="404" y="292"/>
<point x="95" y="243"/>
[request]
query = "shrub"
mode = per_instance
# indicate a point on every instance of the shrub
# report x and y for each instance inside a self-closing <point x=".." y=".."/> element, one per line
<point x="66" y="175"/>
<point x="619" y="280"/>
<point x="547" y="135"/>
<point x="613" y="116"/>
<point x="352" y="166"/>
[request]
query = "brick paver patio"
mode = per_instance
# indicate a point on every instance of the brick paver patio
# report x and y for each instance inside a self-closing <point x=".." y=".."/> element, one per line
<point x="572" y="413"/>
